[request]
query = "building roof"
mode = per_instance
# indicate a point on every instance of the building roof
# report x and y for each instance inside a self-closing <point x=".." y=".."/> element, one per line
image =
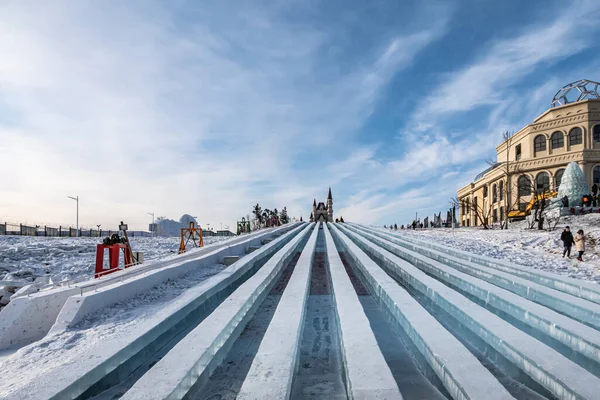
<point x="485" y="171"/>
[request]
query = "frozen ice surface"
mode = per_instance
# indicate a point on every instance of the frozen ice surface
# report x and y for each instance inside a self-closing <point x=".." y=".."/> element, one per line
<point x="576" y="287"/>
<point x="556" y="373"/>
<point x="460" y="372"/>
<point x="367" y="372"/>
<point x="579" y="337"/>
<point x="196" y="355"/>
<point x="62" y="361"/>
<point x="272" y="370"/>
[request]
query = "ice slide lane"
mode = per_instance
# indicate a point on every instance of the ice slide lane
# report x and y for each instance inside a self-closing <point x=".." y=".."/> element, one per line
<point x="577" y="308"/>
<point x="112" y="362"/>
<point x="271" y="373"/>
<point x="459" y="371"/>
<point x="557" y="374"/>
<point x="367" y="374"/>
<point x="576" y="287"/>
<point x="29" y="318"/>
<point x="195" y="357"/>
<point x="575" y="336"/>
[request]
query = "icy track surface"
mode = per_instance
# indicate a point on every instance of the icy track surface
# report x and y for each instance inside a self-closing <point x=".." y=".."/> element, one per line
<point x="117" y="321"/>
<point x="537" y="249"/>
<point x="29" y="257"/>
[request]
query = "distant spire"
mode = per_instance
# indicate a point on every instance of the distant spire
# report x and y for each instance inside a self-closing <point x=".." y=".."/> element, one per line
<point x="329" y="196"/>
<point x="314" y="202"/>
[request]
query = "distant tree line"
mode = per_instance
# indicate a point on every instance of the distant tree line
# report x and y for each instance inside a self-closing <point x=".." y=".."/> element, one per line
<point x="267" y="218"/>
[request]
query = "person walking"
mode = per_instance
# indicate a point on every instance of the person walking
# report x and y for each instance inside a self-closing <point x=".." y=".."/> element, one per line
<point x="567" y="238"/>
<point x="580" y="244"/>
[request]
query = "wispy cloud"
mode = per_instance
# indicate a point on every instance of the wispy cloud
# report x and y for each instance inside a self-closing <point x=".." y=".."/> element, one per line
<point x="139" y="107"/>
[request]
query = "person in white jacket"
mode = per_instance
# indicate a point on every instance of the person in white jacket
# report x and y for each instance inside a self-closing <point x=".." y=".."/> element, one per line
<point x="580" y="244"/>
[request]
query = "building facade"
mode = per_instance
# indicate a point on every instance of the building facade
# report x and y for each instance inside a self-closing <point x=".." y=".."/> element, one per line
<point x="533" y="160"/>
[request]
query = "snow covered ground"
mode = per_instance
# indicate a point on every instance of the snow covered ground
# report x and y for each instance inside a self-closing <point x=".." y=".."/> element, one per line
<point x="29" y="257"/>
<point x="537" y="249"/>
<point x="112" y="323"/>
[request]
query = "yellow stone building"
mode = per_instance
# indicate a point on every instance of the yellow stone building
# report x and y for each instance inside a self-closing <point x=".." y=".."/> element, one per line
<point x="534" y="158"/>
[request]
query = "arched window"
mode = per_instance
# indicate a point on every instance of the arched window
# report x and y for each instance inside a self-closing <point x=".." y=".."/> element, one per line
<point x="575" y="136"/>
<point x="542" y="182"/>
<point x="558" y="140"/>
<point x="597" y="133"/>
<point x="475" y="203"/>
<point x="501" y="190"/>
<point x="558" y="177"/>
<point x="596" y="174"/>
<point x="524" y="185"/>
<point x="467" y="205"/>
<point x="494" y="193"/>
<point x="485" y="191"/>
<point x="539" y="143"/>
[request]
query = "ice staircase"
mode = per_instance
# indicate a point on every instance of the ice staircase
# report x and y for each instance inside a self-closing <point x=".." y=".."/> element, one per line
<point x="475" y="327"/>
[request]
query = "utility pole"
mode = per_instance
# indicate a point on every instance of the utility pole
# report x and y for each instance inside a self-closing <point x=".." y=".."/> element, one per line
<point x="77" y="200"/>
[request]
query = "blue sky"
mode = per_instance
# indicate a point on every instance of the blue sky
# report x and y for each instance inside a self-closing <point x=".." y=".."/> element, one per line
<point x="210" y="107"/>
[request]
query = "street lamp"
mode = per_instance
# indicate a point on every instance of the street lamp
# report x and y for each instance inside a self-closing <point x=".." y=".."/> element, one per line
<point x="153" y="227"/>
<point x="77" y="200"/>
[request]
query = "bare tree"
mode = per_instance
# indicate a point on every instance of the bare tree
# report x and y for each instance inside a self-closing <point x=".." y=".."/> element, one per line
<point x="508" y="168"/>
<point x="483" y="212"/>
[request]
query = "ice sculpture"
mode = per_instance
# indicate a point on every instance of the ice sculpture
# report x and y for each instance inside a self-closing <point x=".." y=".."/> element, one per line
<point x="572" y="185"/>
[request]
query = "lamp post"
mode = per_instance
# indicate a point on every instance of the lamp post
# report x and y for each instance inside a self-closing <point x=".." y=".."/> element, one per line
<point x="77" y="200"/>
<point x="153" y="227"/>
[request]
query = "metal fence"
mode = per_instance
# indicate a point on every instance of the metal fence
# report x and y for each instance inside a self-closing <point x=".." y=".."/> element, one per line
<point x="62" y="231"/>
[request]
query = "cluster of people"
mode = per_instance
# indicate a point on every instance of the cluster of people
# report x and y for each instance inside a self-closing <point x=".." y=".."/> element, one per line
<point x="568" y="240"/>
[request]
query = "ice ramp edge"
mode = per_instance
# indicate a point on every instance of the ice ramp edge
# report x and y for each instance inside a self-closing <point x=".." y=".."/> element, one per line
<point x="367" y="372"/>
<point x="196" y="356"/>
<point x="107" y="363"/>
<point x="273" y="368"/>
<point x="461" y="374"/>
<point x="576" y="287"/>
<point x="579" y="338"/>
<point x="544" y="365"/>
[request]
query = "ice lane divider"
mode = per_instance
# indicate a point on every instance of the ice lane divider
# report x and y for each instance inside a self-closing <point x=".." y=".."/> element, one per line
<point x="111" y="362"/>
<point x="272" y="371"/>
<point x="577" y="337"/>
<point x="576" y="287"/>
<point x="553" y="371"/>
<point x="572" y="306"/>
<point x="29" y="318"/>
<point x="457" y="368"/>
<point x="368" y="376"/>
<point x="77" y="307"/>
<point x="197" y="355"/>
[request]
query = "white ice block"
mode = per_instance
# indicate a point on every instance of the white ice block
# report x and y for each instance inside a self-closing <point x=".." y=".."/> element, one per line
<point x="579" y="337"/>
<point x="200" y="352"/>
<point x="368" y="376"/>
<point x="275" y="363"/>
<point x="458" y="369"/>
<point x="560" y="376"/>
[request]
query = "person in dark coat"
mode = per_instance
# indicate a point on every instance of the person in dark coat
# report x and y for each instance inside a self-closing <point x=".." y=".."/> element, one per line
<point x="565" y="201"/>
<point x="567" y="239"/>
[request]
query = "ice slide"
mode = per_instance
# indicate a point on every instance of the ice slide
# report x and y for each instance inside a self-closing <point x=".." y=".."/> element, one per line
<point x="342" y="311"/>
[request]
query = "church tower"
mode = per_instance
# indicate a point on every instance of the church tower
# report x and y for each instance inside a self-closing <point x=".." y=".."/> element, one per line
<point x="329" y="206"/>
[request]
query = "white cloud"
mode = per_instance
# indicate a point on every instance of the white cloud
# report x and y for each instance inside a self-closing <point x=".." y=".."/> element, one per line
<point x="136" y="110"/>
